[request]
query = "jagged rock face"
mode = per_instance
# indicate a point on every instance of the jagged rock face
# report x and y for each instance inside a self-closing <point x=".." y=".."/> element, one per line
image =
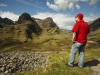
<point x="6" y="21"/>
<point x="46" y="23"/>
<point x="25" y="17"/>
<point x="49" y="25"/>
<point x="94" y="25"/>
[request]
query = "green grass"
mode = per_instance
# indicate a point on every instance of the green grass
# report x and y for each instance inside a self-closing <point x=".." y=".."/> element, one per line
<point x="94" y="36"/>
<point x="56" y="65"/>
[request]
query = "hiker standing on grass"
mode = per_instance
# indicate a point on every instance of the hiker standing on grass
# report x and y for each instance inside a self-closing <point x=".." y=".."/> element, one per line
<point x="80" y="31"/>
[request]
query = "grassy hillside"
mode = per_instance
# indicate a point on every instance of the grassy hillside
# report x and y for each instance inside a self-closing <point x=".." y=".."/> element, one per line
<point x="95" y="36"/>
<point x="47" y="44"/>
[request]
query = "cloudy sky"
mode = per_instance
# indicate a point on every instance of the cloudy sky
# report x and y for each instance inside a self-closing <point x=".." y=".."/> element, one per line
<point x="62" y="11"/>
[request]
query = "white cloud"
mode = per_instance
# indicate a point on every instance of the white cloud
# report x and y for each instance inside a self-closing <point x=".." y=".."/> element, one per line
<point x="61" y="4"/>
<point x="84" y="0"/>
<point x="93" y="2"/>
<point x="68" y="4"/>
<point x="52" y="6"/>
<point x="71" y="5"/>
<point x="9" y="15"/>
<point x="3" y="5"/>
<point x="90" y="17"/>
<point x="64" y="4"/>
<point x="77" y="6"/>
<point x="63" y="20"/>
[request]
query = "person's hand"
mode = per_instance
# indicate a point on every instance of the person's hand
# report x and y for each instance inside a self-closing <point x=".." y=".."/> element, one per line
<point x="73" y="41"/>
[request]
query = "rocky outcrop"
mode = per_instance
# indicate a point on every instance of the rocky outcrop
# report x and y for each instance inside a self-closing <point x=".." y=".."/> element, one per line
<point x="25" y="17"/>
<point x="19" y="61"/>
<point x="46" y="23"/>
<point x="49" y="25"/>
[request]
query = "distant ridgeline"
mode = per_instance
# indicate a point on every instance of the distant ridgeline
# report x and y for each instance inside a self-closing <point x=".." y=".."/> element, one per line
<point x="4" y="21"/>
<point x="28" y="29"/>
<point x="95" y="25"/>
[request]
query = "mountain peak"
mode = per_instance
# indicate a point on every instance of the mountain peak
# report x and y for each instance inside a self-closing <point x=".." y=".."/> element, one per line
<point x="25" y="16"/>
<point x="49" y="18"/>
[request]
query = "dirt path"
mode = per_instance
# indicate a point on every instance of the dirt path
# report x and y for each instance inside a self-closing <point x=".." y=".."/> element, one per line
<point x="54" y="52"/>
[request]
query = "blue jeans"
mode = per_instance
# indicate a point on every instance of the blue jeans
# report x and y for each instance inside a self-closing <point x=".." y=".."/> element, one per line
<point x="77" y="47"/>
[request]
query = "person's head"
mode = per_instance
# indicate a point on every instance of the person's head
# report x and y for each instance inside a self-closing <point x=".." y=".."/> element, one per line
<point x="79" y="17"/>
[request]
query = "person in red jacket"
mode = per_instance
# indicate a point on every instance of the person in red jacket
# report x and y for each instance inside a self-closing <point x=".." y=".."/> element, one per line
<point x="79" y="39"/>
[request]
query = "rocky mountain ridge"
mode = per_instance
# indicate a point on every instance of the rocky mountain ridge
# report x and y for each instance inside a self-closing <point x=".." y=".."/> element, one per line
<point x="95" y="25"/>
<point x="28" y="29"/>
<point x="5" y="21"/>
